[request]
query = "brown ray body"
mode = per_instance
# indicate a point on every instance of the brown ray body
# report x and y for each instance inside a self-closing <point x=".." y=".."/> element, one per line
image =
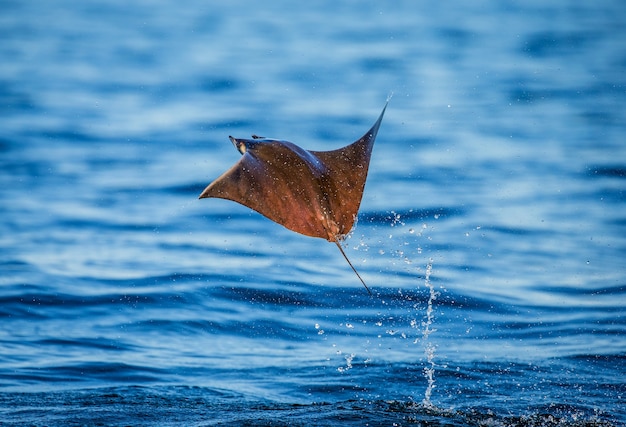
<point x="315" y="193"/>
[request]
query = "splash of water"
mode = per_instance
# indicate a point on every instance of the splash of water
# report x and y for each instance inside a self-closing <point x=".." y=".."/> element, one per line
<point x="429" y="349"/>
<point x="349" y="358"/>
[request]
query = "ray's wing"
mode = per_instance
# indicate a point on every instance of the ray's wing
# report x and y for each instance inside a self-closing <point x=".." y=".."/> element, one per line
<point x="345" y="180"/>
<point x="280" y="181"/>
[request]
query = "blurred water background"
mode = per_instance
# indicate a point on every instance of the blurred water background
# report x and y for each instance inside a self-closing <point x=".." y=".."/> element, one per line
<point x="496" y="193"/>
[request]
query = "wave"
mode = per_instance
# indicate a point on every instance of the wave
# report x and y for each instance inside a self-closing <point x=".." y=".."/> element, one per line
<point x="195" y="406"/>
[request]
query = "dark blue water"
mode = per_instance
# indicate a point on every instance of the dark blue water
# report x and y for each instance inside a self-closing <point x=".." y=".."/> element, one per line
<point x="497" y="193"/>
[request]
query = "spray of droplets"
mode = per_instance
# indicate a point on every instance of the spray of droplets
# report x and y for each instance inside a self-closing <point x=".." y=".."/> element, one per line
<point x="429" y="349"/>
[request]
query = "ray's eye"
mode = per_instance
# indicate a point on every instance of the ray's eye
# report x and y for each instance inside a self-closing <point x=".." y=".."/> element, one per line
<point x="241" y="146"/>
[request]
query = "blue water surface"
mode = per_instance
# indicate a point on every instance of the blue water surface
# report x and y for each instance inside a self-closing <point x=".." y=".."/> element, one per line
<point x="492" y="229"/>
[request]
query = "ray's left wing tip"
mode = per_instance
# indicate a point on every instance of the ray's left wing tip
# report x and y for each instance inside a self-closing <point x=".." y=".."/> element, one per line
<point x="205" y="193"/>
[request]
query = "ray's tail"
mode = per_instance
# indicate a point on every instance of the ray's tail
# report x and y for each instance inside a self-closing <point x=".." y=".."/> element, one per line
<point x="351" y="266"/>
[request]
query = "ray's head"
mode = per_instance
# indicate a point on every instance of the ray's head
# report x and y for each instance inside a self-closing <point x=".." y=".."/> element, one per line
<point x="240" y="144"/>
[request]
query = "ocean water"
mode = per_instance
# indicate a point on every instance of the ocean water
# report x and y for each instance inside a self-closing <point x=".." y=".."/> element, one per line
<point x="492" y="230"/>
